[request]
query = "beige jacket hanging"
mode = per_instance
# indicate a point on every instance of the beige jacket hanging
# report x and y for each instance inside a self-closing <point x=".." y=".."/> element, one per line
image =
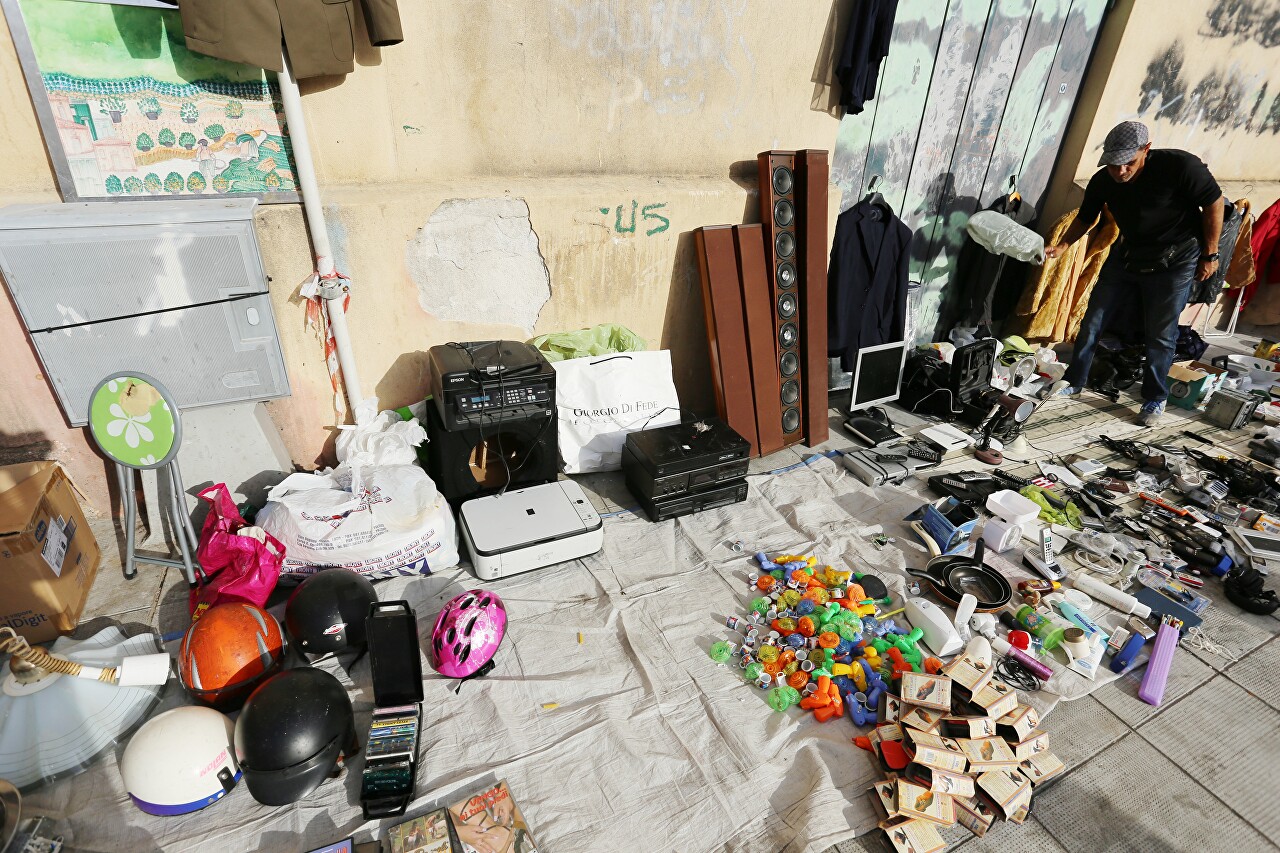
<point x="1056" y="294"/>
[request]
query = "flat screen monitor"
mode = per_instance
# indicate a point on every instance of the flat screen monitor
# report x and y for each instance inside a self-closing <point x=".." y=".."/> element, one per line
<point x="877" y="374"/>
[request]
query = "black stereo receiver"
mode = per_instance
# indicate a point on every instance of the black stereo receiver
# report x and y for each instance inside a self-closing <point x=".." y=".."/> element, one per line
<point x="487" y="382"/>
<point x="684" y="458"/>
<point x="732" y="492"/>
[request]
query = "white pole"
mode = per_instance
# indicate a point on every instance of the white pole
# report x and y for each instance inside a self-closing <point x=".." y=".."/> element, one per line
<point x="333" y="289"/>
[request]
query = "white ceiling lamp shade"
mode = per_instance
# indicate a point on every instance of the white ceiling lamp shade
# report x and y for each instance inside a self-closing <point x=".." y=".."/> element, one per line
<point x="58" y="724"/>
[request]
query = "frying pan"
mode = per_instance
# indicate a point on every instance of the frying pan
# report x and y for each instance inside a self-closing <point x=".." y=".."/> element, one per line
<point x="953" y="576"/>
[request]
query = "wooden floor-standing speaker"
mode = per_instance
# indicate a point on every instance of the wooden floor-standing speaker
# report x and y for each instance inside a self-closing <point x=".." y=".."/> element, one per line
<point x="727" y="330"/>
<point x="811" y="210"/>
<point x="765" y="292"/>
<point x="753" y="277"/>
<point x="779" y="220"/>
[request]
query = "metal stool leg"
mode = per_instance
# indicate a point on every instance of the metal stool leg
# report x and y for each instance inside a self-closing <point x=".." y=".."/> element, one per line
<point x="186" y="516"/>
<point x="130" y="498"/>
<point x="176" y="514"/>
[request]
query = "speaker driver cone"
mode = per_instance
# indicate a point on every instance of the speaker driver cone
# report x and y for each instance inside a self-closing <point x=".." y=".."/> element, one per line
<point x="787" y="306"/>
<point x="783" y="213"/>
<point x="789" y="364"/>
<point x="785" y="244"/>
<point x="783" y="181"/>
<point x="788" y="335"/>
<point x="786" y="275"/>
<point x="791" y="420"/>
<point x="790" y="392"/>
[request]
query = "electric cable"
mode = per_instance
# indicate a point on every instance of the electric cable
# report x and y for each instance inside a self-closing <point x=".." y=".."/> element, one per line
<point x="11" y="643"/>
<point x="1013" y="673"/>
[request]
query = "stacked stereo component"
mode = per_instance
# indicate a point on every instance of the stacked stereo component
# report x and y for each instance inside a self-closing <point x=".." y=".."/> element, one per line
<point x="765" y="293"/>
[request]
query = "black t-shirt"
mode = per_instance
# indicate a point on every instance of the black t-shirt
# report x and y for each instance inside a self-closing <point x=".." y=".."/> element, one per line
<point x="1160" y="207"/>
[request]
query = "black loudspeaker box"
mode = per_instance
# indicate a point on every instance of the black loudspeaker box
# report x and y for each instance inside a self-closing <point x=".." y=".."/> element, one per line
<point x="470" y="463"/>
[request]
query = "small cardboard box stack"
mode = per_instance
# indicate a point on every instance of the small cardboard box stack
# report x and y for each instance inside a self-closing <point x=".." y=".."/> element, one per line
<point x="48" y="556"/>
<point x="975" y="761"/>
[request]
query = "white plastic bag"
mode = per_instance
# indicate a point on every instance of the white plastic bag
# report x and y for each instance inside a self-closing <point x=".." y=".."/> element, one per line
<point x="379" y="439"/>
<point x="376" y="513"/>
<point x="602" y="399"/>
<point x="1000" y="235"/>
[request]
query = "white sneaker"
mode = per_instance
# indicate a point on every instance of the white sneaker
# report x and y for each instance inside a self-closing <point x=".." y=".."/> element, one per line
<point x="1151" y="414"/>
<point x="1061" y="388"/>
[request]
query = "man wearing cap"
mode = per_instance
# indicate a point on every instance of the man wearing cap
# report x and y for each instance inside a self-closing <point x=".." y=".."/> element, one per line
<point x="1169" y="212"/>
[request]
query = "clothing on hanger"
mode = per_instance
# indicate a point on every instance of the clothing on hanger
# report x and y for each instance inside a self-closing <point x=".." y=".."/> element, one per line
<point x="866" y="281"/>
<point x="1056" y="294"/>
<point x="319" y="34"/>
<point x="866" y="44"/>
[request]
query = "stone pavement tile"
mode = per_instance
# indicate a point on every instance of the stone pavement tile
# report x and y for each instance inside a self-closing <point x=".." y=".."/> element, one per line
<point x="1229" y="742"/>
<point x="1132" y="798"/>
<point x="111" y="593"/>
<point x="1080" y="729"/>
<point x="872" y="842"/>
<point x="1121" y="695"/>
<point x="1004" y="837"/>
<point x="1229" y="626"/>
<point x="1256" y="673"/>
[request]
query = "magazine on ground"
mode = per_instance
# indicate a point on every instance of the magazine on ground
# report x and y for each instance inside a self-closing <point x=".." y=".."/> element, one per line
<point x="490" y="820"/>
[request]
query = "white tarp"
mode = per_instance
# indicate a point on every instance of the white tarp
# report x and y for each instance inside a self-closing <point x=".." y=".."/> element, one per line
<point x="652" y="746"/>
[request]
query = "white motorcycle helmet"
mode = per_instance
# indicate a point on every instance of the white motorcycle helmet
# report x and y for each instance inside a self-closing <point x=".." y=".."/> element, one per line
<point x="180" y="761"/>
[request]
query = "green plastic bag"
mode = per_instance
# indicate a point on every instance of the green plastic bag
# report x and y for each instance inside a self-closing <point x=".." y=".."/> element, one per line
<point x="1069" y="515"/>
<point x="605" y="339"/>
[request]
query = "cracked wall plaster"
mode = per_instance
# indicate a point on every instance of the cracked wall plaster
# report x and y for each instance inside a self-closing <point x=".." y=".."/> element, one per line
<point x="477" y="260"/>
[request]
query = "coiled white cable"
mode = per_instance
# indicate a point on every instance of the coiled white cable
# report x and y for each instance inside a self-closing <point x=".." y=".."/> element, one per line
<point x="1198" y="639"/>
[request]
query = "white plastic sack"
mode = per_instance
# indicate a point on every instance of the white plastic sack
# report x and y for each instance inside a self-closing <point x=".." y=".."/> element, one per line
<point x="379" y="439"/>
<point x="377" y="513"/>
<point x="601" y="399"/>
<point x="1000" y="235"/>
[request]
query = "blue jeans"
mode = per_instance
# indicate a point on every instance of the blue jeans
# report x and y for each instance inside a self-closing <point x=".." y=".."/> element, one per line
<point x="1162" y="296"/>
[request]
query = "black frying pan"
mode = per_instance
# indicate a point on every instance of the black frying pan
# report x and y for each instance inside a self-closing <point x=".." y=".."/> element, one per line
<point x="953" y="576"/>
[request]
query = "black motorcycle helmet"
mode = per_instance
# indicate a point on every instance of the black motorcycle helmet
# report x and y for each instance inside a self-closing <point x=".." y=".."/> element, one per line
<point x="326" y="612"/>
<point x="291" y="732"/>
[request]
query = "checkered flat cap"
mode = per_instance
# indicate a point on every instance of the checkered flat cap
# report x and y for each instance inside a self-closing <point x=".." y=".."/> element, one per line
<point x="1123" y="142"/>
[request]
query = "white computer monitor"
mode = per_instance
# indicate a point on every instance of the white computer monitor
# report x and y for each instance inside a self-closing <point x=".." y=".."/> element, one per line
<point x="877" y="375"/>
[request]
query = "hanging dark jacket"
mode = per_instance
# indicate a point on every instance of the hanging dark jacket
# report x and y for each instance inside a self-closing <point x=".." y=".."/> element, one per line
<point x="318" y="33"/>
<point x="866" y="44"/>
<point x="866" y="282"/>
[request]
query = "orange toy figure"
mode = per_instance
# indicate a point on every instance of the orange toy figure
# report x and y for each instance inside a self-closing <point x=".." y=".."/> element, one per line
<point x="798" y="679"/>
<point x="805" y="626"/>
<point x="765" y="583"/>
<point x="836" y="702"/>
<point x="827" y="712"/>
<point x="899" y="662"/>
<point x="932" y="665"/>
<point x="815" y="701"/>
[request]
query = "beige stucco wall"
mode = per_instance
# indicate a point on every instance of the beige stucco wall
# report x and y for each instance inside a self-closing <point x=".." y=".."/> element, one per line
<point x="1196" y="88"/>
<point x="575" y="107"/>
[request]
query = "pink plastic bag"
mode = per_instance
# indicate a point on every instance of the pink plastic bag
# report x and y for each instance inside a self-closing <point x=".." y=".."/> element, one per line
<point x="236" y="568"/>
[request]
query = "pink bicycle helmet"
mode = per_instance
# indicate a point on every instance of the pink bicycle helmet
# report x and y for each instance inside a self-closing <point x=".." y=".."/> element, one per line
<point x="468" y="632"/>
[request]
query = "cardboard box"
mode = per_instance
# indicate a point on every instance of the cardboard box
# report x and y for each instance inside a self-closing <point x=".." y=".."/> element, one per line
<point x="1191" y="381"/>
<point x="48" y="556"/>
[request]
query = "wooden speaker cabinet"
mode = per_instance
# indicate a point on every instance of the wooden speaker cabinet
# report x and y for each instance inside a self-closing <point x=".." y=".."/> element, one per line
<point x="811" y="208"/>
<point x="753" y="275"/>
<point x="726" y="330"/>
<point x="778" y="216"/>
